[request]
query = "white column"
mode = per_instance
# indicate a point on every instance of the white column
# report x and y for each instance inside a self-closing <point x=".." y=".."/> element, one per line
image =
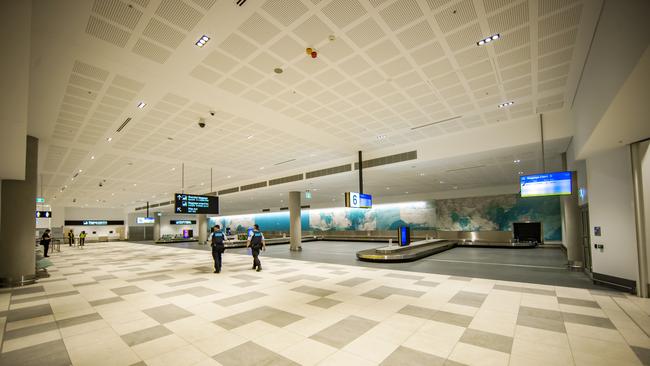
<point x="18" y="225"/>
<point x="295" y="231"/>
<point x="572" y="226"/>
<point x="202" y="220"/>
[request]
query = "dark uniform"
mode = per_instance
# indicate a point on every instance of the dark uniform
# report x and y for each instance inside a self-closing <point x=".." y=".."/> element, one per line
<point x="218" y="248"/>
<point x="45" y="242"/>
<point x="256" y="240"/>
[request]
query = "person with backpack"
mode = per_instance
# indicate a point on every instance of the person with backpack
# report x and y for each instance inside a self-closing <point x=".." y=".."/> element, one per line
<point x="45" y="242"/>
<point x="256" y="243"/>
<point x="218" y="240"/>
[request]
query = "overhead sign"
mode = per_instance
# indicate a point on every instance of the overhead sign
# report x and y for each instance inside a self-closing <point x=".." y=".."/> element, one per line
<point x="93" y="222"/>
<point x="144" y="220"/>
<point x="182" y="222"/>
<point x="40" y="200"/>
<point x="43" y="214"/>
<point x="308" y="195"/>
<point x="358" y="200"/>
<point x="547" y="184"/>
<point x="193" y="204"/>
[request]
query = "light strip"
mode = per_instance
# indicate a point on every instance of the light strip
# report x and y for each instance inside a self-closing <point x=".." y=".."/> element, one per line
<point x="489" y="39"/>
<point x="506" y="104"/>
<point x="435" y="123"/>
<point x="202" y="41"/>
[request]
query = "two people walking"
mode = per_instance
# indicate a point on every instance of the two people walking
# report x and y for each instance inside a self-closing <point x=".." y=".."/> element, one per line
<point x="218" y="243"/>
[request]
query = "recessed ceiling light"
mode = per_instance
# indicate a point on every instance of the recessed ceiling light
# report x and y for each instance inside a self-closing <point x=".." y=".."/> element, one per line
<point x="441" y="182"/>
<point x="388" y="188"/>
<point x="517" y="161"/>
<point x="249" y="137"/>
<point x="421" y="174"/>
<point x="520" y="173"/>
<point x="381" y="137"/>
<point x="202" y="41"/>
<point x="455" y="187"/>
<point x="506" y="104"/>
<point x="80" y="170"/>
<point x="173" y="169"/>
<point x="489" y="39"/>
<point x="406" y="193"/>
<point x="142" y="105"/>
<point x="261" y="168"/>
<point x="92" y="157"/>
<point x="109" y="139"/>
<point x="228" y="177"/>
<point x="135" y="184"/>
<point x="202" y="183"/>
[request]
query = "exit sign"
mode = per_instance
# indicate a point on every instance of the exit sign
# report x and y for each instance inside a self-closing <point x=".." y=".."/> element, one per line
<point x="308" y="195"/>
<point x="40" y="200"/>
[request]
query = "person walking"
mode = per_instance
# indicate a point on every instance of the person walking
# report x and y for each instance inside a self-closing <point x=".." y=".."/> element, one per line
<point x="256" y="243"/>
<point x="46" y="238"/>
<point x="71" y="237"/>
<point x="82" y="238"/>
<point x="218" y="246"/>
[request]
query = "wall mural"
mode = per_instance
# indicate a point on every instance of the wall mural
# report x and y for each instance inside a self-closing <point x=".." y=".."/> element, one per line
<point x="458" y="214"/>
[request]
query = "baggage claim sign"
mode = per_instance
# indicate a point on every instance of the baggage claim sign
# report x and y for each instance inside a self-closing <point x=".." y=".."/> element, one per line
<point x="193" y="204"/>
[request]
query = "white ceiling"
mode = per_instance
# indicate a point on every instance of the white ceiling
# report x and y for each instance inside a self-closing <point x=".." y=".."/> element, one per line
<point x="393" y="65"/>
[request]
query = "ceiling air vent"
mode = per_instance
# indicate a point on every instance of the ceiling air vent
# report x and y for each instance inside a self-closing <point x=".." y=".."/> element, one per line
<point x="229" y="190"/>
<point x="328" y="171"/>
<point x="435" y="123"/>
<point x="240" y="2"/>
<point x="252" y="186"/>
<point x="305" y="206"/>
<point x="292" y="178"/>
<point x="284" y="208"/>
<point x="284" y="162"/>
<point x="390" y="159"/>
<point x="126" y="121"/>
<point x="266" y="210"/>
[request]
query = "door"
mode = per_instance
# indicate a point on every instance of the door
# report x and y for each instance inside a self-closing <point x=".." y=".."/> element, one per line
<point x="586" y="237"/>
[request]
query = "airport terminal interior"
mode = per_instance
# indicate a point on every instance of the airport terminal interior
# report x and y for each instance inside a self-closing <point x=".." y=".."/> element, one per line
<point x="325" y="182"/>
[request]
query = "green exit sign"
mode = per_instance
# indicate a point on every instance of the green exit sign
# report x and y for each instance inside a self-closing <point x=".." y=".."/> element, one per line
<point x="40" y="200"/>
<point x="308" y="195"/>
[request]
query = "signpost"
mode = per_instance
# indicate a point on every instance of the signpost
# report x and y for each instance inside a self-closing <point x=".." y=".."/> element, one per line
<point x="194" y="204"/>
<point x="358" y="200"/>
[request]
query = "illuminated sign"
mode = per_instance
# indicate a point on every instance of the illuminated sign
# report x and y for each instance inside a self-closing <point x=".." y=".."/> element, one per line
<point x="193" y="204"/>
<point x="144" y="220"/>
<point x="182" y="222"/>
<point x="358" y="200"/>
<point x="93" y="222"/>
<point x="308" y="195"/>
<point x="547" y="184"/>
<point x="43" y="214"/>
<point x="40" y="200"/>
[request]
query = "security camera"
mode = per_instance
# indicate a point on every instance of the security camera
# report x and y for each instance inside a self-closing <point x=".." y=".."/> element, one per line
<point x="202" y="123"/>
<point x="212" y="113"/>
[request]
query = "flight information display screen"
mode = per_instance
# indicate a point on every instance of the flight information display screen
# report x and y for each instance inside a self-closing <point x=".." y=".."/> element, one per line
<point x="145" y="220"/>
<point x="43" y="214"/>
<point x="194" y="204"/>
<point x="547" y="184"/>
<point x="93" y="222"/>
<point x="358" y="200"/>
<point x="182" y="222"/>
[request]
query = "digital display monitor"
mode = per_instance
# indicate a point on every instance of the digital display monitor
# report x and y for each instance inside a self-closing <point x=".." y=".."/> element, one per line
<point x="358" y="200"/>
<point x="546" y="184"/>
<point x="144" y="220"/>
<point x="182" y="222"/>
<point x="194" y="204"/>
<point x="43" y="214"/>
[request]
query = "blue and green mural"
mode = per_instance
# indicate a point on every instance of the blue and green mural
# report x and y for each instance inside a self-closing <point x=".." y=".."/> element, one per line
<point x="458" y="214"/>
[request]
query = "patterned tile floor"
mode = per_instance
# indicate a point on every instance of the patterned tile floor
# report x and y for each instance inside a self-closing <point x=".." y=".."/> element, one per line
<point x="133" y="304"/>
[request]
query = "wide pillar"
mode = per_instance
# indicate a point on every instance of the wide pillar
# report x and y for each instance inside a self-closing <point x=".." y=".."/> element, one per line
<point x="202" y="220"/>
<point x="295" y="231"/>
<point x="156" y="226"/>
<point x="18" y="223"/>
<point x="572" y="226"/>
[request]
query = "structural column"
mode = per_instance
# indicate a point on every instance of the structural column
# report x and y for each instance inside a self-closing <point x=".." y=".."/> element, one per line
<point x="572" y="226"/>
<point x="202" y="220"/>
<point x="18" y="223"/>
<point x="295" y="231"/>
<point x="156" y="226"/>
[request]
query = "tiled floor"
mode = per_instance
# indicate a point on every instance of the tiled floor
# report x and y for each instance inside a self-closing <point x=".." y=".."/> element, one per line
<point x="133" y="304"/>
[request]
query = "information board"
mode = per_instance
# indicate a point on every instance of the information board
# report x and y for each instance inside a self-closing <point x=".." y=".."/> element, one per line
<point x="194" y="204"/>
<point x="358" y="200"/>
<point x="182" y="222"/>
<point x="43" y="214"/>
<point x="547" y="184"/>
<point x="144" y="220"/>
<point x="93" y="222"/>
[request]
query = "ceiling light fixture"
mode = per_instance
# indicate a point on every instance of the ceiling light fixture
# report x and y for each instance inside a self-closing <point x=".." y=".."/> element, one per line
<point x="109" y="139"/>
<point x="381" y="137"/>
<point x="506" y="104"/>
<point x="489" y="39"/>
<point x="202" y="41"/>
<point x="142" y="105"/>
<point x="520" y="173"/>
<point x="92" y="157"/>
<point x="517" y="161"/>
<point x="249" y="137"/>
